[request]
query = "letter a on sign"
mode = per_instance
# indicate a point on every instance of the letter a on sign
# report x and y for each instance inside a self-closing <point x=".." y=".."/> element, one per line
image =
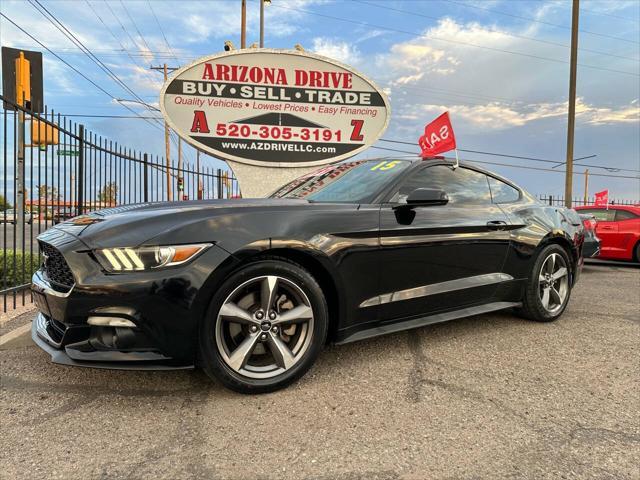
<point x="438" y="137"/>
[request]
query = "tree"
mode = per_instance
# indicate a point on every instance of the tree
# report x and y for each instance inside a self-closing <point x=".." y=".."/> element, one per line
<point x="4" y="205"/>
<point x="48" y="193"/>
<point x="108" y="194"/>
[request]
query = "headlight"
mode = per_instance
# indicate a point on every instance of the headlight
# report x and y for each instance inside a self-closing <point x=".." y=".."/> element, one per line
<point x="146" y="258"/>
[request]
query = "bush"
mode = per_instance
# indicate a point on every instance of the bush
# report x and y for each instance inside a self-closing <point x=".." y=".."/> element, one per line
<point x="13" y="277"/>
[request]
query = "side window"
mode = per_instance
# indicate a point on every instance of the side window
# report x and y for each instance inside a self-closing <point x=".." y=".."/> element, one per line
<point x="502" y="192"/>
<point x="462" y="185"/>
<point x="624" y="215"/>
<point x="601" y="214"/>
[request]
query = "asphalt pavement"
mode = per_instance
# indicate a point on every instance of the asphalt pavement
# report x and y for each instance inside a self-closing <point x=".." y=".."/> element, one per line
<point x="492" y="396"/>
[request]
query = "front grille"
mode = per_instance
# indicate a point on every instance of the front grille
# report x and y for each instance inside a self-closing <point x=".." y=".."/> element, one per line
<point x="55" y="266"/>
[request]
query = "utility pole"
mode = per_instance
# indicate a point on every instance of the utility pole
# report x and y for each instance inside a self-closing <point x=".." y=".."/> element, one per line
<point x="263" y="3"/>
<point x="573" y="70"/>
<point x="261" y="23"/>
<point x="167" y="151"/>
<point x="586" y="185"/>
<point x="198" y="174"/>
<point x="243" y="24"/>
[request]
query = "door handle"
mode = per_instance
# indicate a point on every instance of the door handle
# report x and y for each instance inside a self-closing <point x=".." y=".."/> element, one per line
<point x="496" y="225"/>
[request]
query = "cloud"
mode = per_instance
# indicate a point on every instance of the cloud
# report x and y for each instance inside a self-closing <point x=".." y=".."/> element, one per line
<point x="496" y="116"/>
<point x="489" y="90"/>
<point x="611" y="116"/>
<point x="342" y="51"/>
<point x="199" y="22"/>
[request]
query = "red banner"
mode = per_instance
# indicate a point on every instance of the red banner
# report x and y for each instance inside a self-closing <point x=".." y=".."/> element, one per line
<point x="602" y="198"/>
<point x="438" y="137"/>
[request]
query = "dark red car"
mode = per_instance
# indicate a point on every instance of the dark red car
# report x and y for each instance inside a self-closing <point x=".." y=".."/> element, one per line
<point x="618" y="228"/>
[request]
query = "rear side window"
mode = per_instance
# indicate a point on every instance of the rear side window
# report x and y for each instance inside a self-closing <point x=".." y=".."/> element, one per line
<point x="463" y="186"/>
<point x="502" y="192"/>
<point x="624" y="215"/>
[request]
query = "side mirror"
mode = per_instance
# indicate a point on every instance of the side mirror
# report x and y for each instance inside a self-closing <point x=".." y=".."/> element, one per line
<point x="427" y="197"/>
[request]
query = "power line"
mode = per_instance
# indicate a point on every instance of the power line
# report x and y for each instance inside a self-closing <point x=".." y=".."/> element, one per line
<point x="518" y="157"/>
<point x="126" y="32"/>
<point x="126" y="10"/>
<point x="458" y="42"/>
<point x="494" y="30"/>
<point x="162" y="31"/>
<point x="519" y="166"/>
<point x="604" y="14"/>
<point x="475" y="95"/>
<point x="71" y="36"/>
<point x="449" y="97"/>
<point x="117" y="39"/>
<point x="479" y="152"/>
<point x="68" y="64"/>
<point x="540" y="21"/>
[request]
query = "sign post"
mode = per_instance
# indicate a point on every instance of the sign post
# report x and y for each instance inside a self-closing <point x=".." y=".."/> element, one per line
<point x="274" y="115"/>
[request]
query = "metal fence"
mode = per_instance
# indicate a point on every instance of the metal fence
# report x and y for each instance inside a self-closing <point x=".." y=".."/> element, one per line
<point x="558" y="200"/>
<point x="43" y="184"/>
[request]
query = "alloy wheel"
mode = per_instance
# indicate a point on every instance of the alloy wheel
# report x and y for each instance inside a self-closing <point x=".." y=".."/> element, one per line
<point x="553" y="283"/>
<point x="264" y="327"/>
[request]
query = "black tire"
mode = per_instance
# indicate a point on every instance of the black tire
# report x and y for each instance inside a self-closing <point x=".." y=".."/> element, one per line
<point x="637" y="253"/>
<point x="210" y="356"/>
<point x="532" y="306"/>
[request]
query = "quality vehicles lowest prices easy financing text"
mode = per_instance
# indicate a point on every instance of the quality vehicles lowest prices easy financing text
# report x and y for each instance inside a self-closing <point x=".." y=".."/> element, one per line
<point x="251" y="289"/>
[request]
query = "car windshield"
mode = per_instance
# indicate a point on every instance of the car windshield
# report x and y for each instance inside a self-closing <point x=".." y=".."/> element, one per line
<point x="349" y="182"/>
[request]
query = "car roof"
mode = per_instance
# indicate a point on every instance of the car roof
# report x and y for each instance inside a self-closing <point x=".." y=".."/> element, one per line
<point x="612" y="206"/>
<point x="416" y="160"/>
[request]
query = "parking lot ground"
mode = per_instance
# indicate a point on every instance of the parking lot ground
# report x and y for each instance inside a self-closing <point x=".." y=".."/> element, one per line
<point x="491" y="397"/>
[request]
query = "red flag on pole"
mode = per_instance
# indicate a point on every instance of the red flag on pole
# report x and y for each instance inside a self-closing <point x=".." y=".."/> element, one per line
<point x="438" y="137"/>
<point x="602" y="198"/>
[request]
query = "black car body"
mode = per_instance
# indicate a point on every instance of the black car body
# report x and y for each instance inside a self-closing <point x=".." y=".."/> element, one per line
<point x="382" y="265"/>
<point x="591" y="245"/>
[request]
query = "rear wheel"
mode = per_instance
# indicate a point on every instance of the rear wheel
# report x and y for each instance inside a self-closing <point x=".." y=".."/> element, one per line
<point x="636" y="252"/>
<point x="265" y="327"/>
<point x="549" y="287"/>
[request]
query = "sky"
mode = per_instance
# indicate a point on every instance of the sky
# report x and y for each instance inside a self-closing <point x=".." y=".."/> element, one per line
<point x="500" y="67"/>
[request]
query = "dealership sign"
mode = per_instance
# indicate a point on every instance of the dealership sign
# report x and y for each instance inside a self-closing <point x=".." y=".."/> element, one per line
<point x="274" y="108"/>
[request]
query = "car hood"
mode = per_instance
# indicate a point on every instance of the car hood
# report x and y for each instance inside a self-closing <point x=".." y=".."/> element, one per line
<point x="134" y="225"/>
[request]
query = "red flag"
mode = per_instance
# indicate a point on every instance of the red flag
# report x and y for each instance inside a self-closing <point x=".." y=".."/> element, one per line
<point x="438" y="137"/>
<point x="602" y="198"/>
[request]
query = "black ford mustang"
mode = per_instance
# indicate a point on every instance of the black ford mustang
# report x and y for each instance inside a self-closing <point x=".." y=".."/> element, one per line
<point x="251" y="289"/>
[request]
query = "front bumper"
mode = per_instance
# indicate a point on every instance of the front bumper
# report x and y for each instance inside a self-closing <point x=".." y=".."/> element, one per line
<point x="163" y="310"/>
<point x="115" y="360"/>
<point x="70" y="342"/>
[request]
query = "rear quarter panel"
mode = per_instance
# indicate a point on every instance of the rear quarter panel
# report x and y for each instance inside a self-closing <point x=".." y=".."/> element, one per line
<point x="534" y="226"/>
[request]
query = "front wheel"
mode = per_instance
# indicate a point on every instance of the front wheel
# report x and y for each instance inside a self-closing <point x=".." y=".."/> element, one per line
<point x="549" y="286"/>
<point x="264" y="328"/>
